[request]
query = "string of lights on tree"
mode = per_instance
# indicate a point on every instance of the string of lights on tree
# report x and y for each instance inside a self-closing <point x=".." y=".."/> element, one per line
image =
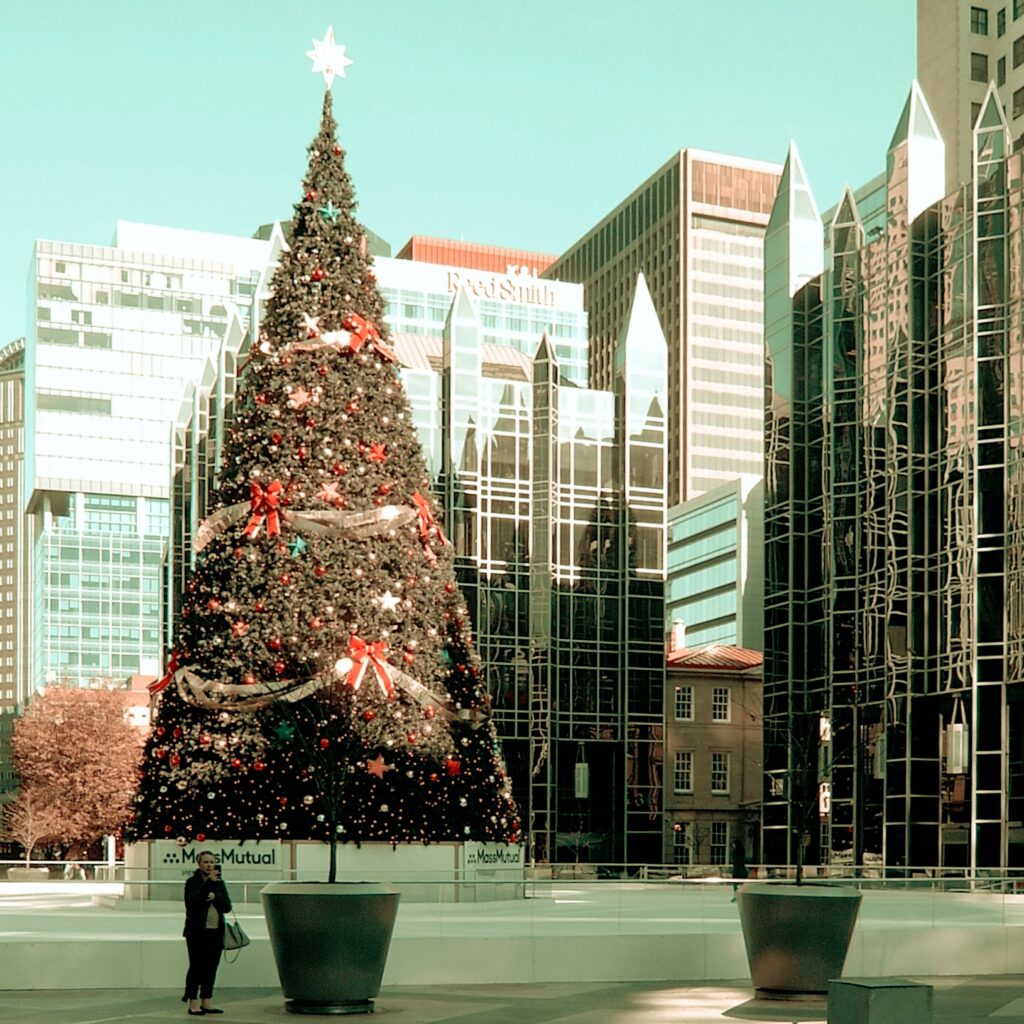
<point x="323" y="677"/>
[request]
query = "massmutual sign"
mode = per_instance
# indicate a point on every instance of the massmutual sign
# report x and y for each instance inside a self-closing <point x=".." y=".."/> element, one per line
<point x="238" y="860"/>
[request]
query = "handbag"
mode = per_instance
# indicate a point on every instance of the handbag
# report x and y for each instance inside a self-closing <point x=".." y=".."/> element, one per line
<point x="234" y="936"/>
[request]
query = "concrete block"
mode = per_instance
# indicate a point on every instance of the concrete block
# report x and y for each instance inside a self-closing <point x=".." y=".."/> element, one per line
<point x="878" y="1001"/>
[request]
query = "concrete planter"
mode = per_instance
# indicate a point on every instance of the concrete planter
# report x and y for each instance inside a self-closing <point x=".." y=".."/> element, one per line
<point x="330" y="942"/>
<point x="796" y="936"/>
<point x="28" y="874"/>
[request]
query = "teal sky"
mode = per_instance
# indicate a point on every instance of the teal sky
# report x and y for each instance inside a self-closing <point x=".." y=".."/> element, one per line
<point x="518" y="123"/>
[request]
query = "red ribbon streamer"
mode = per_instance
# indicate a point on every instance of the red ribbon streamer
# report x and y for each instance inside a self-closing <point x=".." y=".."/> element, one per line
<point x="364" y="331"/>
<point x="364" y="654"/>
<point x="427" y="522"/>
<point x="161" y="684"/>
<point x="263" y="506"/>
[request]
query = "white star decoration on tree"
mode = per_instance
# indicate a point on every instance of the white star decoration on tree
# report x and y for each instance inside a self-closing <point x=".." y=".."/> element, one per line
<point x="328" y="57"/>
<point x="388" y="601"/>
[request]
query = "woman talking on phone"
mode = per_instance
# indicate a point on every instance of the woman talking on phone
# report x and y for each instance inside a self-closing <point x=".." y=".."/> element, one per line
<point x="206" y="903"/>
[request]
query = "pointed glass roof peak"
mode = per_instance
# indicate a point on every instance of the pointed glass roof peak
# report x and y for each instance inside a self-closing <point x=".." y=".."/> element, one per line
<point x="463" y="308"/>
<point x="796" y="224"/>
<point x="992" y="116"/>
<point x="916" y="121"/>
<point x="545" y="353"/>
<point x="642" y="324"/>
<point x="846" y="211"/>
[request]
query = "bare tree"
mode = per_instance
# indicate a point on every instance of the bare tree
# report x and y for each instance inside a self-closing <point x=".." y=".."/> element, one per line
<point x="28" y="820"/>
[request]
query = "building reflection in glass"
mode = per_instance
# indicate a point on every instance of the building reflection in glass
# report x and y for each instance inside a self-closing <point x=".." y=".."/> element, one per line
<point x="894" y="593"/>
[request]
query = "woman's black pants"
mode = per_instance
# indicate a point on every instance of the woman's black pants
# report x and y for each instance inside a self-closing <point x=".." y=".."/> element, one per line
<point x="204" y="950"/>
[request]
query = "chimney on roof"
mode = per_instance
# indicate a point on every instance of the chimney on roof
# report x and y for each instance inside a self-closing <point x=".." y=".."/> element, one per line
<point x="677" y="636"/>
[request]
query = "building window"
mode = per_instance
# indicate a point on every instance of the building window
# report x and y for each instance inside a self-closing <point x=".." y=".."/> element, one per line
<point x="1018" y="102"/>
<point x="1018" y="51"/>
<point x="1018" y="9"/>
<point x="979" y="65"/>
<point x="1001" y="22"/>
<point x="1001" y="71"/>
<point x="682" y="842"/>
<point x="683" y="779"/>
<point x="684" y="703"/>
<point x="979" y="21"/>
<point x="720" y="704"/>
<point x="719" y="772"/>
<point x="719" y="842"/>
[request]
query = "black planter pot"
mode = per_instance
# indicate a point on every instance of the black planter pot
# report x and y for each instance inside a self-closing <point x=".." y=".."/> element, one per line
<point x="330" y="942"/>
<point x="797" y="936"/>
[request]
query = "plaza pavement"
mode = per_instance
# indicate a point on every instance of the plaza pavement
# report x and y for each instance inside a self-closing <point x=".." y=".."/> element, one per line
<point x="573" y="953"/>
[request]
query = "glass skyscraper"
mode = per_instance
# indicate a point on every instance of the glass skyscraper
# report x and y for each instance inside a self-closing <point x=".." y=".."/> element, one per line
<point x="118" y="333"/>
<point x="894" y="633"/>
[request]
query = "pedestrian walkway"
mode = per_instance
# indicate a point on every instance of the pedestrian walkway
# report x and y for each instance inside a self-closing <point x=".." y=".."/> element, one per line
<point x="993" y="999"/>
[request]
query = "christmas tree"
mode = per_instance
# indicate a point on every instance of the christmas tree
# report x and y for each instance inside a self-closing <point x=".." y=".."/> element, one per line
<point x="323" y="682"/>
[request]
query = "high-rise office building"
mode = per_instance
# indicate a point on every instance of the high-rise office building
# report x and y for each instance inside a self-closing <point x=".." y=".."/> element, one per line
<point x="117" y="334"/>
<point x="962" y="46"/>
<point x="554" y="498"/>
<point x="695" y="230"/>
<point x="894" y="639"/>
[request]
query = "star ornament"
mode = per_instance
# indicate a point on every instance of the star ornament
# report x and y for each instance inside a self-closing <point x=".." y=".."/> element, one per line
<point x="377" y="766"/>
<point x="328" y="57"/>
<point x="388" y="601"/>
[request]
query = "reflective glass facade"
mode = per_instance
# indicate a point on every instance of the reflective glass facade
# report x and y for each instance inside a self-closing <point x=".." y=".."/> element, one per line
<point x="119" y="332"/>
<point x="894" y="636"/>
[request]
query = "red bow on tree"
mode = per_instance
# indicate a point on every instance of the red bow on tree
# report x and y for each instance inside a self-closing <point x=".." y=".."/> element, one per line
<point x="162" y="684"/>
<point x="364" y="331"/>
<point x="263" y="505"/>
<point x="364" y="654"/>
<point x="427" y="523"/>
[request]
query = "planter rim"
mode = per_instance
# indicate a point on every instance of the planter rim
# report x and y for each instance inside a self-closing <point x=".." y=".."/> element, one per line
<point x="816" y="889"/>
<point x="317" y="888"/>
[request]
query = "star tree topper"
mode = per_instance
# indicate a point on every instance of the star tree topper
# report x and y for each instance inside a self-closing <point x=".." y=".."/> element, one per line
<point x="328" y="57"/>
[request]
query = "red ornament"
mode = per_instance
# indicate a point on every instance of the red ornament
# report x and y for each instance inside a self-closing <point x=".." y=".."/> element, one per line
<point x="408" y="657"/>
<point x="261" y="399"/>
<point x="236" y="762"/>
<point x="320" y="571"/>
<point x="338" y="150"/>
<point x="301" y="451"/>
<point x="318" y="274"/>
<point x="283" y="800"/>
<point x="177" y="732"/>
<point x="449" y="588"/>
<point x="167" y="830"/>
<point x="352" y="407"/>
<point x="160" y="730"/>
<point x="368" y="715"/>
<point x="338" y="469"/>
<point x="285" y="579"/>
<point x="277" y="437"/>
<point x="324" y="742"/>
<point x="249" y="679"/>
<point x="311" y="424"/>
<point x="238" y="552"/>
<point x="384" y="489"/>
<point x="310" y="196"/>
<point x="411" y="737"/>
<point x="275" y="643"/>
<point x="429" y="711"/>
<point x="454" y="766"/>
<point x="200" y="837"/>
<point x="258" y="766"/>
<point x="174" y="760"/>
<point x="316" y="623"/>
<point x="433" y="776"/>
<point x="159" y="753"/>
<point x="259" y="606"/>
<point x="204" y="739"/>
<point x="279" y="667"/>
<point x="213" y="604"/>
<point x="323" y="371"/>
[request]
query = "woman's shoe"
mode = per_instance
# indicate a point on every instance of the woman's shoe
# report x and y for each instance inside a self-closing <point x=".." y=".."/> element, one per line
<point x="196" y="1013"/>
<point x="212" y="1009"/>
